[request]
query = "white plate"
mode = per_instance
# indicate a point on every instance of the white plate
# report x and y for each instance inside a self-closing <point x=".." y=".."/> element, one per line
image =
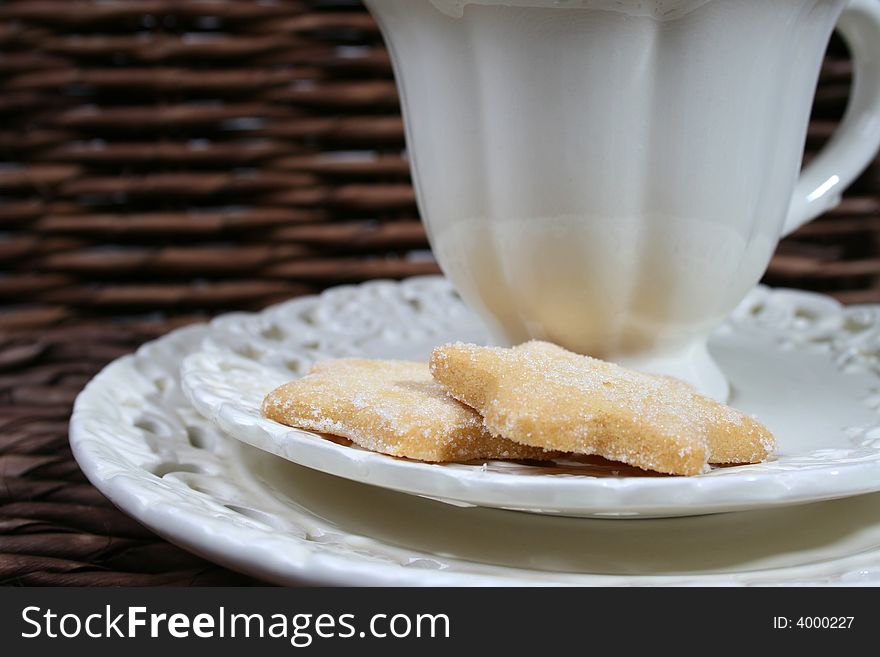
<point x="800" y="362"/>
<point x="144" y="447"/>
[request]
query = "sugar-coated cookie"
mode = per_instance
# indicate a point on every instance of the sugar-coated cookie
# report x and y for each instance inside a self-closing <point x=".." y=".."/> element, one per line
<point x="542" y="395"/>
<point x="393" y="407"/>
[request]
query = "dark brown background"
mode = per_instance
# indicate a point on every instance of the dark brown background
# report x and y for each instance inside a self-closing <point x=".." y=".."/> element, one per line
<point x="165" y="160"/>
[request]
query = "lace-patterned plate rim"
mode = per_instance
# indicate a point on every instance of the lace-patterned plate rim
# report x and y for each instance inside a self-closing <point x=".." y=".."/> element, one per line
<point x="245" y="356"/>
<point x="157" y="459"/>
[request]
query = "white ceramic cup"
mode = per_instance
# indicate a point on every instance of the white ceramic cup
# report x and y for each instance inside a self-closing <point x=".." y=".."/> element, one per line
<point x="614" y="175"/>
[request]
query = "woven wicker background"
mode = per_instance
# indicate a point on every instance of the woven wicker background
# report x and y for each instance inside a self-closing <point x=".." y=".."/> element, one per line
<point x="164" y="160"/>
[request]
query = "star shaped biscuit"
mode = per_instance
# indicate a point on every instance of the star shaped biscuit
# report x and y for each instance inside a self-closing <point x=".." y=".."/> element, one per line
<point x="541" y="395"/>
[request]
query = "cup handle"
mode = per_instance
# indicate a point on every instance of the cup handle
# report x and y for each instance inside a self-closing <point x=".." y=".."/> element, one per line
<point x="855" y="143"/>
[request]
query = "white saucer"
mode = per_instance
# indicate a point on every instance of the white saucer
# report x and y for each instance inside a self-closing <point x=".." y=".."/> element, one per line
<point x="144" y="447"/>
<point x="800" y="362"/>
